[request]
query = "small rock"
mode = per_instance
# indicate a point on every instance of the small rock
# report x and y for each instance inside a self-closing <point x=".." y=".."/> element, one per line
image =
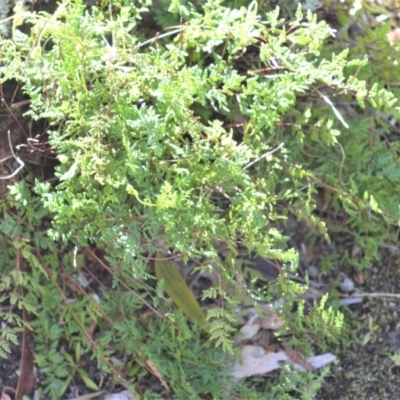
<point x="313" y="271"/>
<point x="125" y="395"/>
<point x="347" y="285"/>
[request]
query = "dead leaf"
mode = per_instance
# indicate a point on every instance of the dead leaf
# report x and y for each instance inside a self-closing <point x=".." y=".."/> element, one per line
<point x="253" y="325"/>
<point x="359" y="278"/>
<point x="272" y="321"/>
<point x="152" y="368"/>
<point x="178" y="290"/>
<point x="321" y="360"/>
<point x="348" y="301"/>
<point x="298" y="358"/>
<point x="256" y="361"/>
<point x="250" y="329"/>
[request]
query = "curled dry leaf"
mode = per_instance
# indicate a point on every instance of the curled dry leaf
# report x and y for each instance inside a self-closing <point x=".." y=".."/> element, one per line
<point x="359" y="278"/>
<point x="154" y="370"/>
<point x="273" y="322"/>
<point x="255" y="323"/>
<point x="250" y="329"/>
<point x="256" y="361"/>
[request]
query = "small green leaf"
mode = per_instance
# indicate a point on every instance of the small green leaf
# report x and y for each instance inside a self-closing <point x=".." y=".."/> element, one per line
<point x="71" y="172"/>
<point x="86" y="380"/>
<point x="177" y="289"/>
<point x="64" y="386"/>
<point x="69" y="358"/>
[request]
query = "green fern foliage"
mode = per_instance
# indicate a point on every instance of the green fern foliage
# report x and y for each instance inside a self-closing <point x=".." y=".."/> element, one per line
<point x="207" y="136"/>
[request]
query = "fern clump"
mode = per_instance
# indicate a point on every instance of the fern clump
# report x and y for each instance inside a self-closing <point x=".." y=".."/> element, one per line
<point x="184" y="143"/>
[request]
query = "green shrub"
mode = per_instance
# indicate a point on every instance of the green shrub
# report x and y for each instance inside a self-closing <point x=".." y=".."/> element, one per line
<point x="206" y="136"/>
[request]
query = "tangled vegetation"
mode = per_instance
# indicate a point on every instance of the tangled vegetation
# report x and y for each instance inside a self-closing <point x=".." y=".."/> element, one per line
<point x="191" y="144"/>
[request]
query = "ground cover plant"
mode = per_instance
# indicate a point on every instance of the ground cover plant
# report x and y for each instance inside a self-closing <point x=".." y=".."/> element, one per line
<point x="184" y="147"/>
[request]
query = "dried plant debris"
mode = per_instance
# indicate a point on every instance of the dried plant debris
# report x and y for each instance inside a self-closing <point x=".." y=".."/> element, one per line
<point x="257" y="361"/>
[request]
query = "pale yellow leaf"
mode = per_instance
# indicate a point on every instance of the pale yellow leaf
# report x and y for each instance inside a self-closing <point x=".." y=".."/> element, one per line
<point x="178" y="290"/>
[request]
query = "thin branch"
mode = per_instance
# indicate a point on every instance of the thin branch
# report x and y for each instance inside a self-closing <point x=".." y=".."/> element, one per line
<point x="180" y="29"/>
<point x="393" y="295"/>
<point x="334" y="109"/>
<point x="264" y="156"/>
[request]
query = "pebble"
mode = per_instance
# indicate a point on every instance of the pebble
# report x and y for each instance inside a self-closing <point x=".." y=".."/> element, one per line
<point x="347" y="285"/>
<point x="313" y="271"/>
<point x="125" y="395"/>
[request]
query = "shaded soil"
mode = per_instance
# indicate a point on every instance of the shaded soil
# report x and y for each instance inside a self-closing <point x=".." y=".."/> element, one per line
<point x="365" y="369"/>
